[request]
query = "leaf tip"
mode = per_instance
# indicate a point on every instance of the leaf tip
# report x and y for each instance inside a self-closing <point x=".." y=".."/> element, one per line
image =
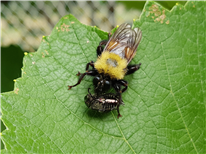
<point x="25" y="53"/>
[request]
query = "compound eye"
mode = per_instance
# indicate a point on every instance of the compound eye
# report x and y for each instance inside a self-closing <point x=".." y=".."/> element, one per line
<point x="106" y="85"/>
<point x="96" y="80"/>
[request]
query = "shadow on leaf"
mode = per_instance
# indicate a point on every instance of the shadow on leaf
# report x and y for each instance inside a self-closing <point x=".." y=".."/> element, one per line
<point x="98" y="115"/>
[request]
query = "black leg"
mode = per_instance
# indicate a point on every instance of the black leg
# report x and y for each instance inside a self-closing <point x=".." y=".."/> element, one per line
<point x="91" y="63"/>
<point x="103" y="42"/>
<point x="117" y="88"/>
<point x="120" y="98"/>
<point x="100" y="48"/>
<point x="123" y="83"/>
<point x="132" y="68"/>
<point x="91" y="73"/>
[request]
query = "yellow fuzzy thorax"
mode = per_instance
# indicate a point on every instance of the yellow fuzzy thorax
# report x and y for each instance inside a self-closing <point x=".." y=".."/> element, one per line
<point x="111" y="64"/>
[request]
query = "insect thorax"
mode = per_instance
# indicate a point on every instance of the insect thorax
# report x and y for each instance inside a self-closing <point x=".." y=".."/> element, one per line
<point x="111" y="64"/>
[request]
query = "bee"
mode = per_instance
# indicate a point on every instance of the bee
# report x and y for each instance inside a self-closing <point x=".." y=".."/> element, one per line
<point x="102" y="103"/>
<point x="113" y="59"/>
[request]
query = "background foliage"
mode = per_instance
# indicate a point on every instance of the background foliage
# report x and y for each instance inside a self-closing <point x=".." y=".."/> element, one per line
<point x="11" y="66"/>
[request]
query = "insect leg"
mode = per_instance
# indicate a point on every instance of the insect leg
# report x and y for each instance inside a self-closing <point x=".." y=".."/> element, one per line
<point x="100" y="48"/>
<point x="123" y="83"/>
<point x="117" y="88"/>
<point x="132" y="68"/>
<point x="120" y="98"/>
<point x="90" y="72"/>
<point x="103" y="42"/>
<point x="91" y="63"/>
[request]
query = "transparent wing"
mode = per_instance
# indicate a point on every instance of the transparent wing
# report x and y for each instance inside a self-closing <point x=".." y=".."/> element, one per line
<point x="124" y="42"/>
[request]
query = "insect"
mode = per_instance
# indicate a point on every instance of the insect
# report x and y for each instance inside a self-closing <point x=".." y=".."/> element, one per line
<point x="103" y="103"/>
<point x="113" y="59"/>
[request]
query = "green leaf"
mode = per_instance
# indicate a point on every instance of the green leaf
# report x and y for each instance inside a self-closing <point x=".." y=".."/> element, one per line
<point x="164" y="104"/>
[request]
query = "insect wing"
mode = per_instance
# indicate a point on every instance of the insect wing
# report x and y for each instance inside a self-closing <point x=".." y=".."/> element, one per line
<point x="124" y="42"/>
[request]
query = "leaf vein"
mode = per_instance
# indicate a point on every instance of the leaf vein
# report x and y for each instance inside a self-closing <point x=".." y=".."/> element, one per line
<point x="171" y="91"/>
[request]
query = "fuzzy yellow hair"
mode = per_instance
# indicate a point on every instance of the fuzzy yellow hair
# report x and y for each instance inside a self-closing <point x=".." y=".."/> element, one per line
<point x="103" y="66"/>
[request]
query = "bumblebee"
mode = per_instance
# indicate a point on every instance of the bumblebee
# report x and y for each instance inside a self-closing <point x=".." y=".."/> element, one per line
<point x="114" y="55"/>
<point x="102" y="103"/>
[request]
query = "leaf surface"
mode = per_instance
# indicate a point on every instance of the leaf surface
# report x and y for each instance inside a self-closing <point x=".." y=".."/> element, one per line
<point x="164" y="104"/>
